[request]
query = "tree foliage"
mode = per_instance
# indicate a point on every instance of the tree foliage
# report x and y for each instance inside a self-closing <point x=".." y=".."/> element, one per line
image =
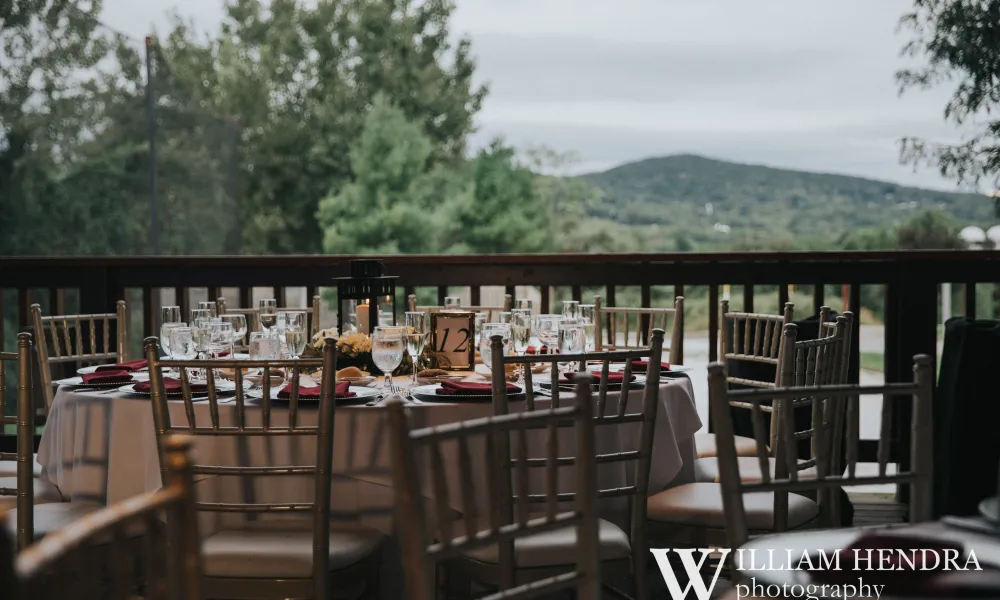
<point x="959" y="40"/>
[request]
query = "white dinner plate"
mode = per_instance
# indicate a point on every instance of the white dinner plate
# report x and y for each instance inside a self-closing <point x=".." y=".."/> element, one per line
<point x="93" y="369"/>
<point x="362" y="395"/>
<point x="221" y="385"/>
<point x="428" y="393"/>
<point x="78" y="382"/>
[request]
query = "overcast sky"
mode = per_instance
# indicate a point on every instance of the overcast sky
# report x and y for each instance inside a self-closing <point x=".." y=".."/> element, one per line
<point x="800" y="84"/>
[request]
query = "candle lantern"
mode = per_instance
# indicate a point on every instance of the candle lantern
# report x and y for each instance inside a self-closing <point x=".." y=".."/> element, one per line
<point x="365" y="300"/>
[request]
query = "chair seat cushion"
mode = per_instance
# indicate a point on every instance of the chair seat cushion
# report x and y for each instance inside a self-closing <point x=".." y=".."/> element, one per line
<point x="700" y="505"/>
<point x="269" y="549"/>
<point x="54" y="516"/>
<point x="707" y="469"/>
<point x="557" y="547"/>
<point x="8" y="468"/>
<point x="706" y="445"/>
<point x="45" y="492"/>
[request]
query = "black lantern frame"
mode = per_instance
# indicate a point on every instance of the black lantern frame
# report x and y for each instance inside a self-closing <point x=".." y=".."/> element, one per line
<point x="367" y="283"/>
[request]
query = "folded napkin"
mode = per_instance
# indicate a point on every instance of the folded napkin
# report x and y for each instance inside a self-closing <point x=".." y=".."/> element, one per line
<point x="904" y="564"/>
<point x="469" y="388"/>
<point x="172" y="385"/>
<point x="533" y="350"/>
<point x="640" y="366"/>
<point x="132" y="365"/>
<point x="116" y="376"/>
<point x="596" y="377"/>
<point x="313" y="393"/>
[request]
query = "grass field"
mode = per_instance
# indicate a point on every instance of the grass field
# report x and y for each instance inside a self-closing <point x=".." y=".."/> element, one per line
<point x="872" y="361"/>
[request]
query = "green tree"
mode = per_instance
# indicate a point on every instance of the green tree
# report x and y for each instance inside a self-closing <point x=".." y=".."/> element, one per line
<point x="960" y="42"/>
<point x="929" y="230"/>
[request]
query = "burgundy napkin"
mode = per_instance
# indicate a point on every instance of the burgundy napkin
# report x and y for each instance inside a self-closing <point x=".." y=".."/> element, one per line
<point x="171" y="385"/>
<point x="872" y="556"/>
<point x="533" y="350"/>
<point x="596" y="377"/>
<point x="116" y="376"/>
<point x="132" y="365"/>
<point x="640" y="366"/>
<point x="469" y="388"/>
<point x="313" y="393"/>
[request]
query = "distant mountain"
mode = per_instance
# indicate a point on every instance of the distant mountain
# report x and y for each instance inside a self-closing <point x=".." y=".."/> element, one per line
<point x="708" y="202"/>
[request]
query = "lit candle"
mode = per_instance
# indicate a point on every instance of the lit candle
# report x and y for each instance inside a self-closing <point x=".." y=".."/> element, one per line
<point x="362" y="314"/>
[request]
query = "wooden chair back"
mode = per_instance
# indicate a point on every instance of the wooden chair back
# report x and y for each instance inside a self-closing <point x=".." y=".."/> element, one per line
<point x="491" y="311"/>
<point x="323" y="432"/>
<point x="253" y="314"/>
<point x="64" y="564"/>
<point x="919" y="477"/>
<point x="756" y="338"/>
<point x="636" y="327"/>
<point x="78" y="338"/>
<point x="641" y="456"/>
<point x="25" y="424"/>
<point x="506" y="494"/>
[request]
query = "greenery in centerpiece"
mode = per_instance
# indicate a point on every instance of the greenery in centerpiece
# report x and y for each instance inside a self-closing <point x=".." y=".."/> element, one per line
<point x="355" y="350"/>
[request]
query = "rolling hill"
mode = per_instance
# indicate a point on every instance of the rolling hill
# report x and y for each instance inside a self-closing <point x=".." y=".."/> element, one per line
<point x="703" y="203"/>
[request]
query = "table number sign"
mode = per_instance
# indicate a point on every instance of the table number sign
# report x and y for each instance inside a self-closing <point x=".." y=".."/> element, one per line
<point x="452" y="338"/>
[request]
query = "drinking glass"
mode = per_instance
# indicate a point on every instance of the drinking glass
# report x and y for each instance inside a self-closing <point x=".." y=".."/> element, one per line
<point x="571" y="310"/>
<point x="387" y="351"/>
<point x="201" y="330"/>
<point x="264" y="346"/>
<point x="416" y="338"/>
<point x="520" y="333"/>
<point x="295" y="333"/>
<point x="182" y="344"/>
<point x="165" y="334"/>
<point x="571" y="340"/>
<point x="168" y="315"/>
<point x="547" y="330"/>
<point x="200" y="313"/>
<point x="504" y="317"/>
<point x="239" y="323"/>
<point x="481" y="319"/>
<point x="268" y="313"/>
<point x="209" y="306"/>
<point x="588" y="318"/>
<point x="221" y="339"/>
<point x="523" y="303"/>
<point x="452" y="302"/>
<point x="486" y="343"/>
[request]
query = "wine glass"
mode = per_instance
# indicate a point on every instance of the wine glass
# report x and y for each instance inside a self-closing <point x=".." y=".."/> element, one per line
<point x="168" y="315"/>
<point x="295" y="333"/>
<point x="547" y="330"/>
<point x="481" y="319"/>
<point x="182" y="344"/>
<point x="387" y="351"/>
<point x="416" y="338"/>
<point x="588" y="318"/>
<point x="264" y="346"/>
<point x="239" y="323"/>
<point x="520" y="332"/>
<point x="268" y="313"/>
<point x="571" y="340"/>
<point x="452" y="302"/>
<point x="210" y="306"/>
<point x="504" y="317"/>
<point x="571" y="310"/>
<point x="486" y="342"/>
<point x="200" y="313"/>
<point x="221" y="339"/>
<point x="523" y="303"/>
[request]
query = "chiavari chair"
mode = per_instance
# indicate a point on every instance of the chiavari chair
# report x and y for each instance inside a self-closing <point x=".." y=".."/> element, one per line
<point x="492" y="312"/>
<point x="260" y="559"/>
<point x="741" y="499"/>
<point x="33" y="505"/>
<point x="510" y="529"/>
<point x="253" y="314"/>
<point x="814" y="362"/>
<point x="78" y="339"/>
<point x="614" y="320"/>
<point x="8" y="460"/>
<point x="93" y="558"/>
<point x="620" y="553"/>
<point x="754" y="338"/>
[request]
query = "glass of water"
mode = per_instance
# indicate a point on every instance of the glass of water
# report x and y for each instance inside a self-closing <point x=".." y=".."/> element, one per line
<point x="416" y="338"/>
<point x="520" y="332"/>
<point x="210" y="306"/>
<point x="523" y="303"/>
<point x="486" y="342"/>
<point x="169" y="316"/>
<point x="547" y="330"/>
<point x="295" y="333"/>
<point x="571" y="310"/>
<point x="268" y="310"/>
<point x="588" y="318"/>
<point x="571" y="341"/>
<point x="264" y="346"/>
<point x="387" y="351"/>
<point x="239" y="323"/>
<point x="182" y="344"/>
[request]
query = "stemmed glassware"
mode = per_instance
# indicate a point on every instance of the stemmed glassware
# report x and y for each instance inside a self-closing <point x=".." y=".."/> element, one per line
<point x="416" y="338"/>
<point x="264" y="346"/>
<point x="481" y="319"/>
<point x="239" y="323"/>
<point x="211" y="307"/>
<point x="571" y="310"/>
<point x="571" y="340"/>
<point x="547" y="330"/>
<point x="268" y="310"/>
<point x="221" y="339"/>
<point x="387" y="351"/>
<point x="588" y="318"/>
<point x="523" y="303"/>
<point x="504" y="317"/>
<point x="169" y="316"/>
<point x="452" y="302"/>
<point x="520" y="333"/>
<point x="200" y="313"/>
<point x="182" y="344"/>
<point x="295" y="333"/>
<point x="486" y="342"/>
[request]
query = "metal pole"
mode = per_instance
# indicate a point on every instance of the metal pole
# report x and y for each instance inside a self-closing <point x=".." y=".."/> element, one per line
<point x="154" y="220"/>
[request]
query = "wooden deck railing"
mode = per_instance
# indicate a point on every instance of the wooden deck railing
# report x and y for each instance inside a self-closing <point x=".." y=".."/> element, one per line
<point x="911" y="281"/>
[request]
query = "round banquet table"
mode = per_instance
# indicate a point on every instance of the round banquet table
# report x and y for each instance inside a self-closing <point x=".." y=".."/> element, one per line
<point x="100" y="446"/>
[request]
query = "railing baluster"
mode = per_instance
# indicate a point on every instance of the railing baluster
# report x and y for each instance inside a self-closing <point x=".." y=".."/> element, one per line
<point x="969" y="295"/>
<point x="748" y="298"/>
<point x="713" y="323"/>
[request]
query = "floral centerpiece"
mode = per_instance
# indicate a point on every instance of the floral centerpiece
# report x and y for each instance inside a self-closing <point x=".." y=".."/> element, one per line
<point x="353" y="350"/>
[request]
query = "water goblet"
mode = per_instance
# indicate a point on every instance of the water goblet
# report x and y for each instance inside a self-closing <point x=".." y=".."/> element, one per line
<point x="200" y="313"/>
<point x="523" y="303"/>
<point x="570" y="310"/>
<point x="547" y="330"/>
<point x="239" y="323"/>
<point x="387" y="351"/>
<point x="295" y="333"/>
<point x="210" y="306"/>
<point x="268" y="310"/>
<point x="416" y="338"/>
<point x="571" y="340"/>
<point x="588" y="318"/>
<point x="486" y="342"/>
<point x="504" y="317"/>
<point x="168" y="314"/>
<point x="520" y="333"/>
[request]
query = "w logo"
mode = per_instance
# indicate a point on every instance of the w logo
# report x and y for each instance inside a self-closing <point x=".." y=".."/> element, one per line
<point x="692" y="567"/>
